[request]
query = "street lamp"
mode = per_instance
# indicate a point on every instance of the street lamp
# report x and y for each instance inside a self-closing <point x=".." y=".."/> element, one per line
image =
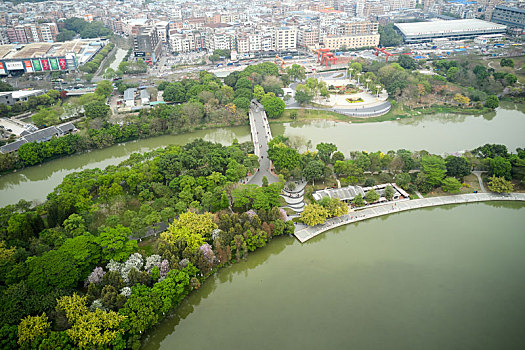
<point x="367" y="81"/>
<point x="358" y="76"/>
<point x="350" y="70"/>
<point x="377" y="91"/>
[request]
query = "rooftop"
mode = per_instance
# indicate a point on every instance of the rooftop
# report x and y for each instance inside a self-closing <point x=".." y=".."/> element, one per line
<point x="514" y="9"/>
<point x="33" y="50"/>
<point x="441" y="26"/>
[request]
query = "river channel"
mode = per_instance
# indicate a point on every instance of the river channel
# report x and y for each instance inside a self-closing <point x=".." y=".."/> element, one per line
<point x="438" y="278"/>
<point x="435" y="133"/>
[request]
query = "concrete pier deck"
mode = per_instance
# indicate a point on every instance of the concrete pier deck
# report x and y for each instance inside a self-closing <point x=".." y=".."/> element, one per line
<point x="304" y="232"/>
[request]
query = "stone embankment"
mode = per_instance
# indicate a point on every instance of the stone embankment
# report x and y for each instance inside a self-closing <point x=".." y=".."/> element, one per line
<point x="304" y="233"/>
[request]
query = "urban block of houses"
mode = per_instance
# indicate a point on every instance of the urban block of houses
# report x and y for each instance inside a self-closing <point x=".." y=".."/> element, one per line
<point x="42" y="135"/>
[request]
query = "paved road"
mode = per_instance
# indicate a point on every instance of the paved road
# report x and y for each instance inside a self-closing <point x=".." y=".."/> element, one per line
<point x="118" y="58"/>
<point x="261" y="135"/>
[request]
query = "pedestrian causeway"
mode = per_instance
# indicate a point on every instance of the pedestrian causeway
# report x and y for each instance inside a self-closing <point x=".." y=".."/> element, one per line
<point x="303" y="233"/>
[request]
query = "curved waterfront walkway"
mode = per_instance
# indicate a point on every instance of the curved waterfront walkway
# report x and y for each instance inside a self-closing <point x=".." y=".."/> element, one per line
<point x="363" y="112"/>
<point x="304" y="233"/>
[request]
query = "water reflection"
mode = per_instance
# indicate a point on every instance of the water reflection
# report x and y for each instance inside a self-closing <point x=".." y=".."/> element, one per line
<point x="224" y="276"/>
<point x="442" y="284"/>
<point x="435" y="133"/>
<point x="441" y="133"/>
<point x="34" y="183"/>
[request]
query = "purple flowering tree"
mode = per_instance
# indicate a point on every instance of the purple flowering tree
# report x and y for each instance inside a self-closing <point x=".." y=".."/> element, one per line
<point x="96" y="276"/>
<point x="207" y="250"/>
<point x="164" y="268"/>
<point x="183" y="263"/>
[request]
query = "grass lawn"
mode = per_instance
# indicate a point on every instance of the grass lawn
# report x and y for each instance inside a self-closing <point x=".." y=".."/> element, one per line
<point x="146" y="247"/>
<point x="519" y="62"/>
<point x="471" y="182"/>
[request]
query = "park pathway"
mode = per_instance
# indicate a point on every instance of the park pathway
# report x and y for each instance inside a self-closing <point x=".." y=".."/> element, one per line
<point x="480" y="180"/>
<point x="304" y="233"/>
<point x="261" y="135"/>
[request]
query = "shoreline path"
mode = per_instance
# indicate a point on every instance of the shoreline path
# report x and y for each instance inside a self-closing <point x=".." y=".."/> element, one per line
<point x="303" y="233"/>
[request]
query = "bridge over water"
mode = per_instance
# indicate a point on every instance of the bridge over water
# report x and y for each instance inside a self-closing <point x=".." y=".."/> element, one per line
<point x="261" y="135"/>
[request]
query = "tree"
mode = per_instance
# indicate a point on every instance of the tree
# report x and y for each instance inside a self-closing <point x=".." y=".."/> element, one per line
<point x="33" y="328"/>
<point x="89" y="329"/>
<point x="174" y="92"/>
<point x="243" y="83"/>
<point x="115" y="243"/>
<point x="314" y="170"/>
<point x="451" y="184"/>
<point x="104" y="88"/>
<point x="507" y="62"/>
<point x="461" y="100"/>
<point x="302" y="97"/>
<point x="273" y="106"/>
<point x="481" y="73"/>
<point x="54" y="269"/>
<point x="163" y="85"/>
<point x="242" y="103"/>
<point x="452" y="73"/>
<point x="314" y="214"/>
<point x="75" y="225"/>
<point x="65" y="35"/>
<point x="356" y="67"/>
<point x="297" y="72"/>
<point x="5" y="86"/>
<point x="97" y="109"/>
<point x="389" y="192"/>
<point x="96" y="329"/>
<point x="491" y="151"/>
<point x="325" y="151"/>
<point x="358" y="201"/>
<point x="258" y="92"/>
<point x="407" y="62"/>
<point x="371" y="196"/>
<point x="500" y="185"/>
<point x="457" y="166"/>
<point x="335" y="207"/>
<point x="73" y="307"/>
<point x="243" y="92"/>
<point x="388" y="36"/>
<point x="511" y="79"/>
<point x="190" y="228"/>
<point x="492" y="102"/>
<point x="434" y="168"/>
<point x="501" y="167"/>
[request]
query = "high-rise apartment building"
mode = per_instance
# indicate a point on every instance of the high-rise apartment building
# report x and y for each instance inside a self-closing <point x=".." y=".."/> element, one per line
<point x="285" y="38"/>
<point x="307" y="37"/>
<point x="147" y="45"/>
<point x="30" y="33"/>
<point x="510" y="16"/>
<point x="360" y="28"/>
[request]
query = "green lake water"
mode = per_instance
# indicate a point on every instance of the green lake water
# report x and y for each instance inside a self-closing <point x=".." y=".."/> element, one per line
<point x="434" y="133"/>
<point x="440" y="278"/>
